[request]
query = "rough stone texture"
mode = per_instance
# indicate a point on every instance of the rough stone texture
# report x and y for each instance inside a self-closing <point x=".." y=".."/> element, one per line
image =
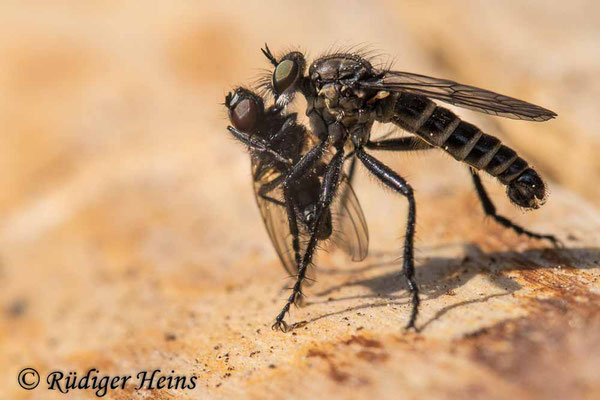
<point x="129" y="237"/>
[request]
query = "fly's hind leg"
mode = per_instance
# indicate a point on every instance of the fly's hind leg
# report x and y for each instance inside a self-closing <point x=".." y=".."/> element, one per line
<point x="410" y="144"/>
<point x="490" y="210"/>
<point x="399" y="185"/>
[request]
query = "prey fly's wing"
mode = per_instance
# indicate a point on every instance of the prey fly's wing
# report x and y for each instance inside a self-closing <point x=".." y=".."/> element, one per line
<point x="350" y="230"/>
<point x="459" y="95"/>
<point x="274" y="216"/>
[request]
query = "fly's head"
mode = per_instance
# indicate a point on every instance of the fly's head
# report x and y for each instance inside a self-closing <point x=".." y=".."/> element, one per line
<point x="287" y="76"/>
<point x="246" y="110"/>
<point x="528" y="190"/>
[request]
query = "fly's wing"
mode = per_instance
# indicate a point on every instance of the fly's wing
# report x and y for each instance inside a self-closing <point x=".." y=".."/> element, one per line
<point x="459" y="95"/>
<point x="350" y="231"/>
<point x="274" y="216"/>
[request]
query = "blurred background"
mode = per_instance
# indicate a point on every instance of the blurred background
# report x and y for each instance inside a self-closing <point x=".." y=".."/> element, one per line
<point x="126" y="210"/>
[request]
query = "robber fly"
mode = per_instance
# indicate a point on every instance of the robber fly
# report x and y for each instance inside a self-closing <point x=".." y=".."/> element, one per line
<point x="346" y="94"/>
<point x="276" y="143"/>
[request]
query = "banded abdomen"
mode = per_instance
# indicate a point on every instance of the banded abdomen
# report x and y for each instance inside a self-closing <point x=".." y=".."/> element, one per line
<point x="440" y="127"/>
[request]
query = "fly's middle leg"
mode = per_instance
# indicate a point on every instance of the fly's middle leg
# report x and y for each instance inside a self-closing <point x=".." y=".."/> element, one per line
<point x="399" y="185"/>
<point x="409" y="143"/>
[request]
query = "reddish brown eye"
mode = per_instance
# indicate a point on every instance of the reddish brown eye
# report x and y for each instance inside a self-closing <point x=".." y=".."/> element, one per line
<point x="284" y="75"/>
<point x="245" y="115"/>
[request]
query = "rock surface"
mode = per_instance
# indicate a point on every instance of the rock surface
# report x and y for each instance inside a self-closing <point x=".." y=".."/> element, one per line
<point x="130" y="241"/>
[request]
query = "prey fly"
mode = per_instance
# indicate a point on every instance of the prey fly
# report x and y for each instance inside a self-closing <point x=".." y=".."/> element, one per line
<point x="276" y="143"/>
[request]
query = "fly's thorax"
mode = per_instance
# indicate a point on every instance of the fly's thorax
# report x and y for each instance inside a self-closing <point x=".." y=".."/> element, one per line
<point x="334" y="79"/>
<point x="339" y="67"/>
<point x="340" y="100"/>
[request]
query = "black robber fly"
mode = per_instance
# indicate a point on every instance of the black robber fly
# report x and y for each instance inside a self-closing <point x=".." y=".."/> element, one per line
<point x="276" y="143"/>
<point x="346" y="94"/>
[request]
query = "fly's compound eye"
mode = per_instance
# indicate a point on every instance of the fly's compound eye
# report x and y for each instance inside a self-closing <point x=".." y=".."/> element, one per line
<point x="245" y="114"/>
<point x="285" y="75"/>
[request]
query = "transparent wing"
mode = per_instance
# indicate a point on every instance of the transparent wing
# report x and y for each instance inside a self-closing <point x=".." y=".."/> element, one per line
<point x="459" y="95"/>
<point x="350" y="230"/>
<point x="274" y="217"/>
<point x="349" y="224"/>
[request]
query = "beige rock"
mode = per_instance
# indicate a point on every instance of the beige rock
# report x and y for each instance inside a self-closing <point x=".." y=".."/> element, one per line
<point x="129" y="237"/>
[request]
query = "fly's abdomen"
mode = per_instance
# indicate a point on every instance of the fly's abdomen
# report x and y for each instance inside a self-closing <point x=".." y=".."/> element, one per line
<point x="465" y="142"/>
<point x="440" y="127"/>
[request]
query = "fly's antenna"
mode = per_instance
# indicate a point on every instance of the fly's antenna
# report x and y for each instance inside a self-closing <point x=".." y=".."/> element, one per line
<point x="267" y="52"/>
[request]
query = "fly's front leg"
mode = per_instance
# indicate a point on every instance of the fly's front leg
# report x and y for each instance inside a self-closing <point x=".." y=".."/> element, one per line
<point x="328" y="188"/>
<point x="490" y="210"/>
<point x="295" y="174"/>
<point x="395" y="182"/>
<point x="257" y="144"/>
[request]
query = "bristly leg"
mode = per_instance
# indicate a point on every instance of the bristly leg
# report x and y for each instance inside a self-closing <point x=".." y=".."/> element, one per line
<point x="395" y="182"/>
<point x="328" y="188"/>
<point x="257" y="144"/>
<point x="490" y="210"/>
<point x="409" y="144"/>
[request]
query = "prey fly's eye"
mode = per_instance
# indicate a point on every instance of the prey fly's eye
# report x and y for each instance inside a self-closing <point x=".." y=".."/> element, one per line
<point x="285" y="75"/>
<point x="245" y="114"/>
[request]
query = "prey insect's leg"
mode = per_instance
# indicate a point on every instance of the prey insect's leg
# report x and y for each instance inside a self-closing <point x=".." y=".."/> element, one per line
<point x="490" y="210"/>
<point x="260" y="170"/>
<point x="283" y="132"/>
<point x="295" y="174"/>
<point x="257" y="144"/>
<point x="268" y="187"/>
<point x="399" y="144"/>
<point x="395" y="182"/>
<point x="328" y="189"/>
